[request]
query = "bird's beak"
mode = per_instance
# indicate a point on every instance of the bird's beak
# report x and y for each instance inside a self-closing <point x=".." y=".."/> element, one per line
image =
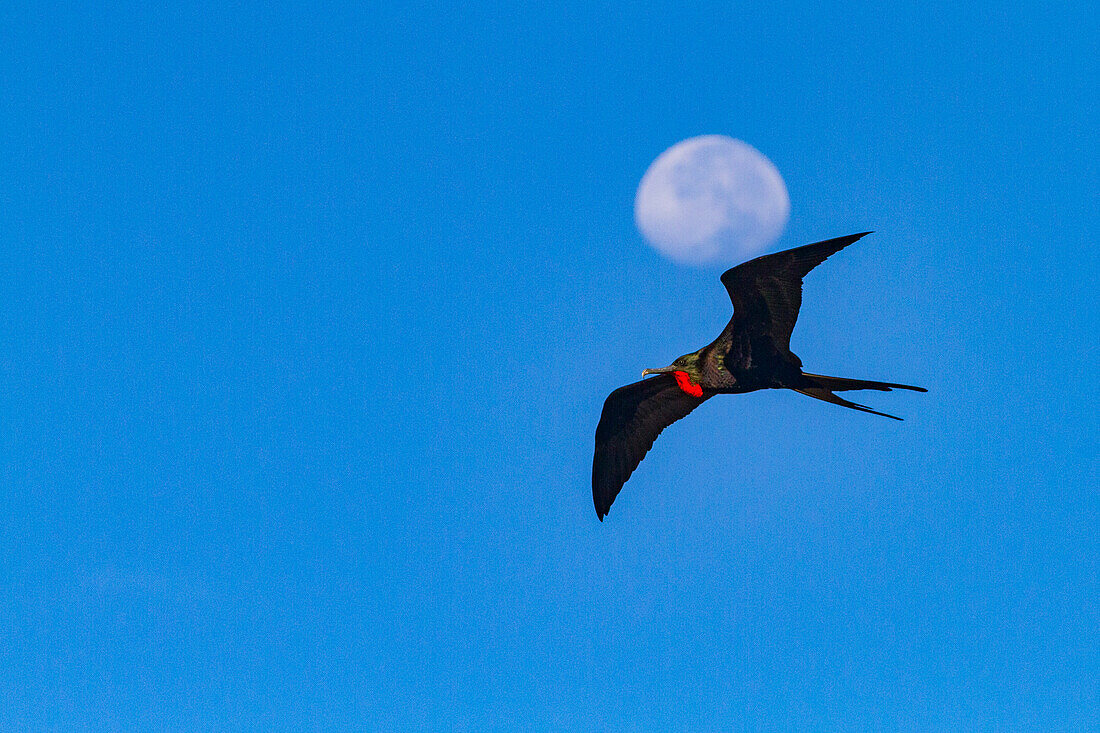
<point x="662" y="370"/>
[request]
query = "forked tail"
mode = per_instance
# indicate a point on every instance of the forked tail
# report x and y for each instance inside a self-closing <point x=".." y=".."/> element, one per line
<point x="821" y="387"/>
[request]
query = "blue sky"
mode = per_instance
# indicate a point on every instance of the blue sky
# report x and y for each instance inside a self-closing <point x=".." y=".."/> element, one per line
<point x="308" y="317"/>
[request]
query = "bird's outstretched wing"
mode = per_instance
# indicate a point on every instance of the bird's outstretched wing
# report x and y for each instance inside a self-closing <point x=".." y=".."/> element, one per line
<point x="633" y="416"/>
<point x="767" y="292"/>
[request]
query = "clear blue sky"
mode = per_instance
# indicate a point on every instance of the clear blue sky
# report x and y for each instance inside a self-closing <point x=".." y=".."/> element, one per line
<point x="308" y="316"/>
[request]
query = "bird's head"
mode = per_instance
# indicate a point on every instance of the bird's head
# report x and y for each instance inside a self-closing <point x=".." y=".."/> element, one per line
<point x="687" y="363"/>
<point x="687" y="370"/>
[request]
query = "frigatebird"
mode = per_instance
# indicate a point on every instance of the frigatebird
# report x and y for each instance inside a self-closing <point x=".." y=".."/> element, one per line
<point x="753" y="352"/>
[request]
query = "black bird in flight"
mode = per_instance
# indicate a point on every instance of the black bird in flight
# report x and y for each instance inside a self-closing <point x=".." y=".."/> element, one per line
<point x="753" y="352"/>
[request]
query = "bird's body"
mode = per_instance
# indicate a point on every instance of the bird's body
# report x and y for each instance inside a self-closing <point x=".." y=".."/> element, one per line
<point x="752" y="352"/>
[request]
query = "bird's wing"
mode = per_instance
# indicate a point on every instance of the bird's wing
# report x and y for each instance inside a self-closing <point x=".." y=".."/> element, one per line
<point x="633" y="416"/>
<point x="767" y="292"/>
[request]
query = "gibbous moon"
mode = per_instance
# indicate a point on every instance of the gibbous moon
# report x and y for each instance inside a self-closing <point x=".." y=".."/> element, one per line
<point x="711" y="199"/>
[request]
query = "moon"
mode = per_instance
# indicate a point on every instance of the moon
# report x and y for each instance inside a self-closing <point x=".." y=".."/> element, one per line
<point x="711" y="199"/>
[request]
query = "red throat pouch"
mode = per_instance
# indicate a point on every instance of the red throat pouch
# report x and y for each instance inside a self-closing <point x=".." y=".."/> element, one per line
<point x="683" y="381"/>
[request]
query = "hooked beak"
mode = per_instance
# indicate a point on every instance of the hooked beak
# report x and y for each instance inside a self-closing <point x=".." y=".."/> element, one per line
<point x="662" y="370"/>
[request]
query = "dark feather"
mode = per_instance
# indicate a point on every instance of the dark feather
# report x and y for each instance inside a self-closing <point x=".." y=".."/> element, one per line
<point x="633" y="416"/>
<point x="767" y="293"/>
<point x="819" y="393"/>
<point x="839" y="384"/>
